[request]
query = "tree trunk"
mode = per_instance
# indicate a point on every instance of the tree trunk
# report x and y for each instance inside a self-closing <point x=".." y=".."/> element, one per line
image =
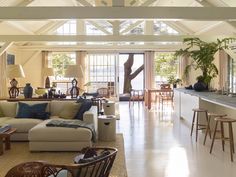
<point x="128" y="75"/>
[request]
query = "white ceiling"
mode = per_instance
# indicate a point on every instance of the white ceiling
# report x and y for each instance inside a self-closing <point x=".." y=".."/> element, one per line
<point x="183" y="27"/>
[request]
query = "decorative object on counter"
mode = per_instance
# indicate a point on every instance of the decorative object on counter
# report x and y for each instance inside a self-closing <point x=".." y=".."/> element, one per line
<point x="48" y="72"/>
<point x="174" y="81"/>
<point x="203" y="55"/>
<point x="14" y="71"/>
<point x="190" y="87"/>
<point x="76" y="72"/>
<point x="41" y="91"/>
<point x="200" y="85"/>
<point x="28" y="91"/>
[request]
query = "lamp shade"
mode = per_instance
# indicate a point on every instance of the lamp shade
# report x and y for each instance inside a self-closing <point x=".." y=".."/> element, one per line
<point x="74" y="71"/>
<point x="48" y="72"/>
<point x="15" y="71"/>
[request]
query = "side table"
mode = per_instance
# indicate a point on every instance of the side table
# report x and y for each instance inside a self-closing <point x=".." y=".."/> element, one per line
<point x="107" y="128"/>
<point x="6" y="136"/>
<point x="109" y="108"/>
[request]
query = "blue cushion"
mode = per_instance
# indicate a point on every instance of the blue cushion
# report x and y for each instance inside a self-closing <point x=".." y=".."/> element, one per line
<point x="32" y="111"/>
<point x="86" y="104"/>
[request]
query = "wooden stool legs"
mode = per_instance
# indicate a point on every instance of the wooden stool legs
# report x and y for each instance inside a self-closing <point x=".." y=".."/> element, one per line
<point x="223" y="138"/>
<point x="200" y="126"/>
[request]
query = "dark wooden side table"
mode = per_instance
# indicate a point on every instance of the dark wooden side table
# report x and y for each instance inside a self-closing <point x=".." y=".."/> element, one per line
<point x="6" y="136"/>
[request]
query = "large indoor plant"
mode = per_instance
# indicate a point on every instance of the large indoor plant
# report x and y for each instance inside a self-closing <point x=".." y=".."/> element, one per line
<point x="202" y="54"/>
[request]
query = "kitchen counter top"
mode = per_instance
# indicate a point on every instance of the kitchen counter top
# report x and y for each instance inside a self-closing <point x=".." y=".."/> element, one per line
<point x="212" y="97"/>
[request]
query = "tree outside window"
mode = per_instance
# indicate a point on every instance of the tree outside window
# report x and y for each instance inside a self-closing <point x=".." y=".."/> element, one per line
<point x="165" y="66"/>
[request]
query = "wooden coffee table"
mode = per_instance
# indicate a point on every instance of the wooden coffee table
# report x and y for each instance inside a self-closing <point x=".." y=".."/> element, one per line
<point x="6" y="136"/>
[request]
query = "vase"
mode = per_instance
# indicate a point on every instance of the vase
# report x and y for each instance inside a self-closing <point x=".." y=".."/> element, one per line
<point x="200" y="86"/>
<point x="28" y="91"/>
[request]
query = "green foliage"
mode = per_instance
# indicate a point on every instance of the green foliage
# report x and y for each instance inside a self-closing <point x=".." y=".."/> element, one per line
<point x="202" y="54"/>
<point x="165" y="65"/>
<point x="172" y="80"/>
<point x="60" y="61"/>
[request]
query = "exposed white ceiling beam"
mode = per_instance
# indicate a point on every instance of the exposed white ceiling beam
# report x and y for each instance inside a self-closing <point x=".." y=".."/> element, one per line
<point x="51" y="26"/>
<point x="148" y="2"/>
<point x="208" y="28"/>
<point x="104" y="38"/>
<point x="178" y="26"/>
<point x="98" y="26"/>
<point x="84" y="3"/>
<point x="131" y="26"/>
<point x="208" y="4"/>
<point x="118" y="3"/>
<point x="5" y="47"/>
<point x="25" y="3"/>
<point x="168" y="13"/>
<point x="19" y="27"/>
<point x="147" y="46"/>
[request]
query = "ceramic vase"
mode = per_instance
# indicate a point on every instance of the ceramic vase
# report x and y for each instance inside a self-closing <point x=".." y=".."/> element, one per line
<point x="28" y="91"/>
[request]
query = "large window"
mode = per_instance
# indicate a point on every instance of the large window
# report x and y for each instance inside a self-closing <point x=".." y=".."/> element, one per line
<point x="101" y="71"/>
<point x="165" y="67"/>
<point x="59" y="62"/>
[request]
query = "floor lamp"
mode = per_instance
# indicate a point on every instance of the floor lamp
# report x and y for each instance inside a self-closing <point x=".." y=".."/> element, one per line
<point x="14" y="71"/>
<point x="74" y="71"/>
<point x="48" y="72"/>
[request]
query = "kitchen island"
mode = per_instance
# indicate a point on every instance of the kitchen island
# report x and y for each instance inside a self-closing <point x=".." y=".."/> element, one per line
<point x="185" y="100"/>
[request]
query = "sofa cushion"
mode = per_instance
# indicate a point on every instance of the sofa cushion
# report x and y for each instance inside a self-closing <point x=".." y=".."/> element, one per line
<point x="69" y="110"/>
<point x="8" y="108"/>
<point x="86" y="104"/>
<point x="32" y="111"/>
<point x="1" y="113"/>
<point x="23" y="125"/>
<point x="57" y="106"/>
<point x="58" y="134"/>
<point x="4" y="119"/>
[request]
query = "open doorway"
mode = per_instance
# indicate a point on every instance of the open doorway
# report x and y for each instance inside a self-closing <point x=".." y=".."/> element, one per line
<point x="134" y="62"/>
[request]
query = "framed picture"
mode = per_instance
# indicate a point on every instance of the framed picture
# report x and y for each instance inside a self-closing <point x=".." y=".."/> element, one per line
<point x="10" y="59"/>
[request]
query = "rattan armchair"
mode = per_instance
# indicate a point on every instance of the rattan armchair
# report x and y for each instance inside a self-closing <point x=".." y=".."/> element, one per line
<point x="100" y="167"/>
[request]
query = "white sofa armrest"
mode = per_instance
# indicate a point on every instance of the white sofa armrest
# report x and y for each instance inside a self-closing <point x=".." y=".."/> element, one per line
<point x="91" y="117"/>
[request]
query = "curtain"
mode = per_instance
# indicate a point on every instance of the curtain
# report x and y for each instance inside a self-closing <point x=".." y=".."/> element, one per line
<point x="3" y="78"/>
<point x="45" y="64"/>
<point x="80" y="60"/>
<point x="183" y="62"/>
<point x="149" y="69"/>
<point x="223" y="69"/>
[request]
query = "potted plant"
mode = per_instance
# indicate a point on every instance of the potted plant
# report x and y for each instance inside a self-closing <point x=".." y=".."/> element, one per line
<point x="202" y="54"/>
<point x="174" y="81"/>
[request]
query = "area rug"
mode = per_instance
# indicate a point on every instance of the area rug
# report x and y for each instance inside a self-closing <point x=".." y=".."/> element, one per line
<point x="20" y="153"/>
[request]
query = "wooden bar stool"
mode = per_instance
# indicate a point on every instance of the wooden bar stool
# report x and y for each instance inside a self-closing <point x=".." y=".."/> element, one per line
<point x="210" y="116"/>
<point x="223" y="138"/>
<point x="199" y="126"/>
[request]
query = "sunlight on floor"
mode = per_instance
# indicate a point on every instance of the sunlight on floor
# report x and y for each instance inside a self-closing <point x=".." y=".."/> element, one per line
<point x="178" y="163"/>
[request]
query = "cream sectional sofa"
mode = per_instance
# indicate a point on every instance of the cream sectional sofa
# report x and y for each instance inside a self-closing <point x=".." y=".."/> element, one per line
<point x="42" y="138"/>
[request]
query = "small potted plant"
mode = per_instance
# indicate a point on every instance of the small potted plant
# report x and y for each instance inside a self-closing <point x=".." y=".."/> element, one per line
<point x="174" y="81"/>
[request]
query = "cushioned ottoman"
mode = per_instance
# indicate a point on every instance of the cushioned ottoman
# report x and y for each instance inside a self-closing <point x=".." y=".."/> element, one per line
<point x="43" y="138"/>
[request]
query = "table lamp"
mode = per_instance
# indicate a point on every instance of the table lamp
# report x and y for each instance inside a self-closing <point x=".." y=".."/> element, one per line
<point x="74" y="71"/>
<point x="14" y="71"/>
<point x="48" y="72"/>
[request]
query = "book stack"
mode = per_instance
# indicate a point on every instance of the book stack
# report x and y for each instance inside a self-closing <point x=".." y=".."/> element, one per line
<point x="4" y="128"/>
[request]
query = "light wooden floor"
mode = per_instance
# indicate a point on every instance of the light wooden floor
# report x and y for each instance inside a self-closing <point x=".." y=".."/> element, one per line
<point x="159" y="145"/>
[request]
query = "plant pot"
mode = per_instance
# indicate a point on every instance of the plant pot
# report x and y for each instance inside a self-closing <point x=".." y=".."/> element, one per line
<point x="28" y="91"/>
<point x="200" y="86"/>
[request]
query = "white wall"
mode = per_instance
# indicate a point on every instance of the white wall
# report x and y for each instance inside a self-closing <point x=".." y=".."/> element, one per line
<point x="31" y="62"/>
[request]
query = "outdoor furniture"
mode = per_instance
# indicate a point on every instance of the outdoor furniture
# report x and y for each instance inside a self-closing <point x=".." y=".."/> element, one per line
<point x="136" y="95"/>
<point x="99" y="167"/>
<point x="103" y="92"/>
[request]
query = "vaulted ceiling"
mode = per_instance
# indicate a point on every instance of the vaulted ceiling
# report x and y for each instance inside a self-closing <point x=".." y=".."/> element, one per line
<point x="113" y="24"/>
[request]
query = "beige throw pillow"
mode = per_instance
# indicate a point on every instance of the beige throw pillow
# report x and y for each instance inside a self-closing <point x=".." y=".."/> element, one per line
<point x="69" y="110"/>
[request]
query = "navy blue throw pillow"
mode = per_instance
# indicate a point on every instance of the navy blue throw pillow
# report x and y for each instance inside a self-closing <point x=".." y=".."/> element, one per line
<point x="32" y="111"/>
<point x="85" y="106"/>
